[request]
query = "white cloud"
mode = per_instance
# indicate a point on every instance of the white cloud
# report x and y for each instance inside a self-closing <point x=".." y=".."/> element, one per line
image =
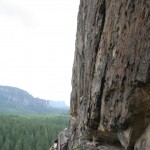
<point x="37" y="39"/>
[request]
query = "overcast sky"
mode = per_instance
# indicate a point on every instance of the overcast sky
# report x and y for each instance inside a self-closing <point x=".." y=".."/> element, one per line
<point x="37" y="43"/>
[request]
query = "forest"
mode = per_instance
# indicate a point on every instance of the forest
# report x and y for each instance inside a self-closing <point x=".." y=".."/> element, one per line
<point x="32" y="132"/>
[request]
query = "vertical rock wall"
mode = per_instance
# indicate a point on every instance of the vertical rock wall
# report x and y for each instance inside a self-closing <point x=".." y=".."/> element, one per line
<point x="110" y="99"/>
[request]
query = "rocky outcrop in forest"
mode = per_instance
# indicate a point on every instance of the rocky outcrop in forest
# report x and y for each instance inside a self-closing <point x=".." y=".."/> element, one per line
<point x="17" y="101"/>
<point x="110" y="99"/>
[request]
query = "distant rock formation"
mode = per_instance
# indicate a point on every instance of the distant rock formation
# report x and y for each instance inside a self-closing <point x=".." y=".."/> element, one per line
<point x="110" y="99"/>
<point x="12" y="98"/>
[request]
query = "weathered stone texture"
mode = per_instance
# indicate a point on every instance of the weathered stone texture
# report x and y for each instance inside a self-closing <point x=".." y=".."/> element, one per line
<point x="111" y="73"/>
<point x="110" y="99"/>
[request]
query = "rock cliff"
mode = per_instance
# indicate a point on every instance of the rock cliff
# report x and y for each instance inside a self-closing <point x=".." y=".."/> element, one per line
<point x="110" y="99"/>
<point x="17" y="101"/>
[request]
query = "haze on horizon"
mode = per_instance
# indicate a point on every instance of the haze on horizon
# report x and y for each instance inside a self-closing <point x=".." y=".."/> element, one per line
<point x="37" y="44"/>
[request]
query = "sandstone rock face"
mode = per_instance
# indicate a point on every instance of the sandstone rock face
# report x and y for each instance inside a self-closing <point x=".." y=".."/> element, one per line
<point x="110" y="99"/>
<point x="144" y="141"/>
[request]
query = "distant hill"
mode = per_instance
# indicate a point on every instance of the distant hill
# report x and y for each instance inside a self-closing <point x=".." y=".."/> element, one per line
<point x="18" y="101"/>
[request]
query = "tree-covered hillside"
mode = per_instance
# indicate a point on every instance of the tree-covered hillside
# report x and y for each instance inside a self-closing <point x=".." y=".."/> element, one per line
<point x="30" y="132"/>
<point x="17" y="101"/>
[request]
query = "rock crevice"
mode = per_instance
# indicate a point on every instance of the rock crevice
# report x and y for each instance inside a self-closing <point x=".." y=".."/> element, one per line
<point x="110" y="98"/>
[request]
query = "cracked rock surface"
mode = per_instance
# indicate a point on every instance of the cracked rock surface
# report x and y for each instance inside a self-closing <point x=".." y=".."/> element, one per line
<point x="110" y="98"/>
